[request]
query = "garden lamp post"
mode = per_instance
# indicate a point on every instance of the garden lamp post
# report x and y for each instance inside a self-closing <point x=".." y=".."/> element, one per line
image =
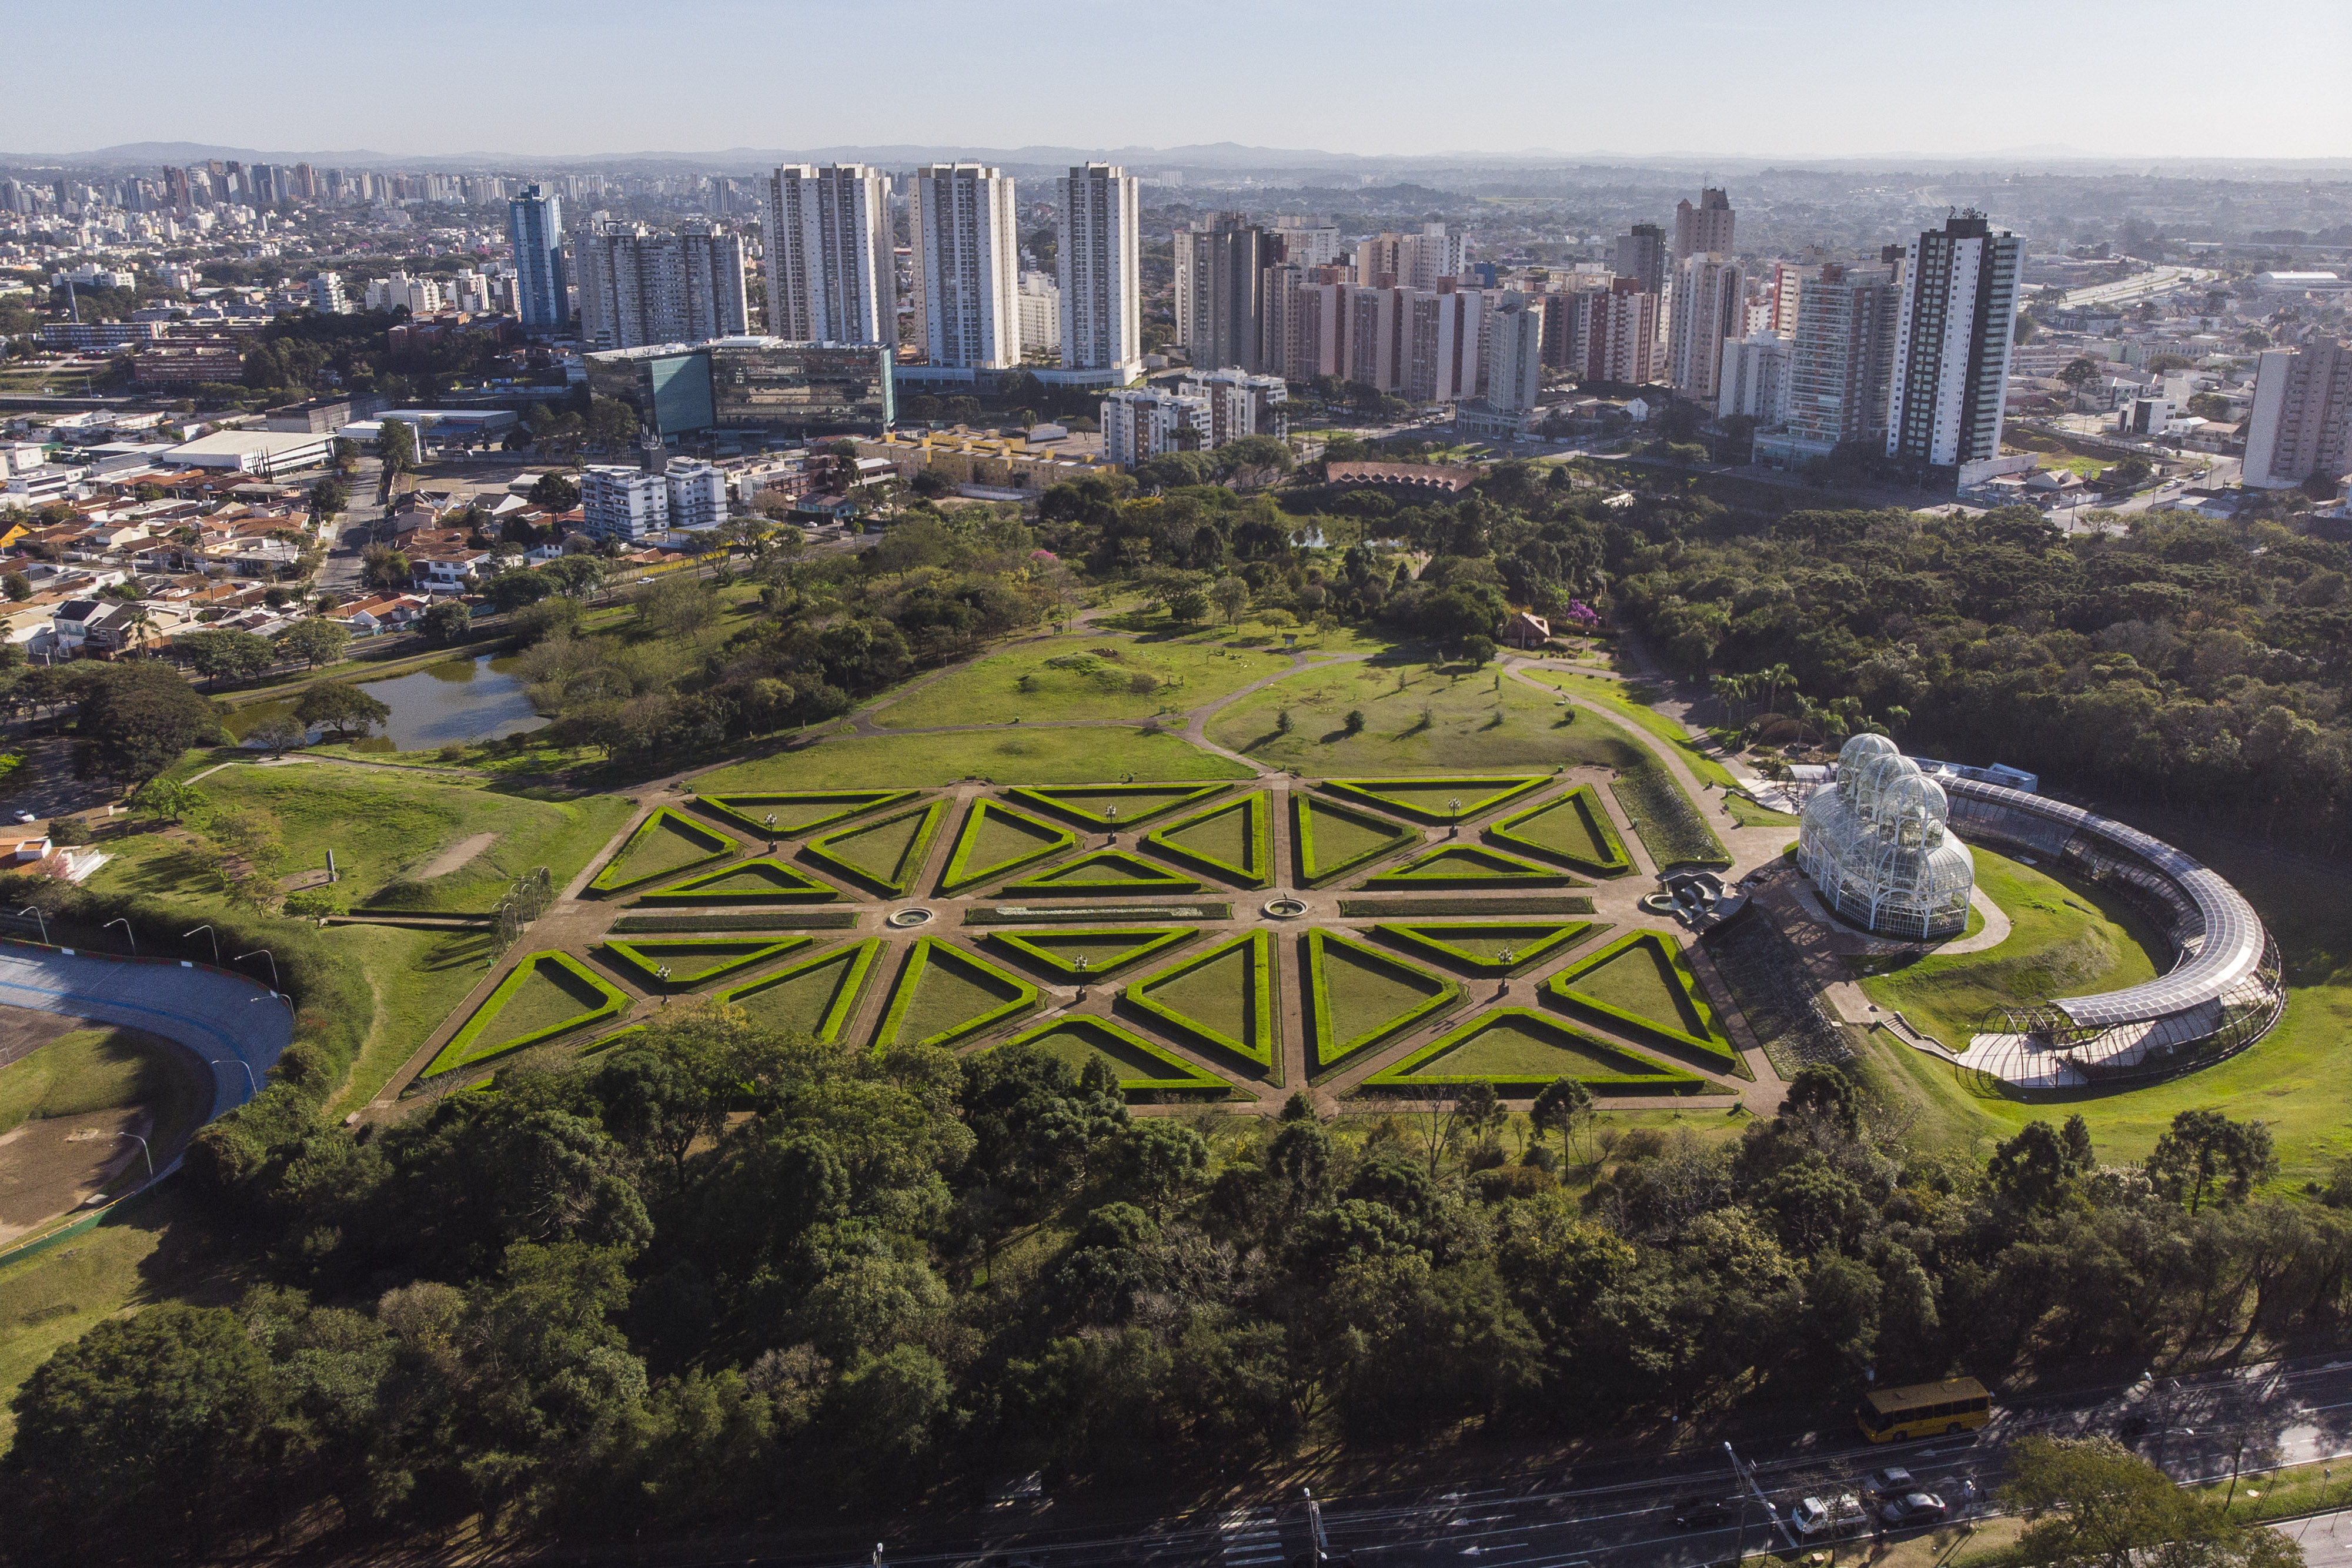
<point x="35" y="911"/>
<point x="127" y="932"/>
<point x="208" y="930"/>
<point x="251" y="1088"/>
<point x="263" y="953"/>
<point x="142" y="1149"/>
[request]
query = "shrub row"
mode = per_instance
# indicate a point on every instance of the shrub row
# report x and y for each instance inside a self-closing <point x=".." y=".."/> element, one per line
<point x="1392" y="908"/>
<point x="1664" y="818"/>
<point x="779" y="920"/>
<point x="1023" y="915"/>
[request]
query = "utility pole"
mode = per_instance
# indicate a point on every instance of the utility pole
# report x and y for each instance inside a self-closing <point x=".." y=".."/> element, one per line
<point x="1747" y="1474"/>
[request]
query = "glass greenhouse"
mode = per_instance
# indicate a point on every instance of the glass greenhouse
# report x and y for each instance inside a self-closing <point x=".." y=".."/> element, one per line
<point x="1877" y="847"/>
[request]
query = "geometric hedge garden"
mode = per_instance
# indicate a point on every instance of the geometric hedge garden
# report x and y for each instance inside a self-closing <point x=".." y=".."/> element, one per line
<point x="1224" y="997"/>
<point x="1573" y="827"/>
<point x="1490" y="947"/>
<point x="1362" y="995"/>
<point x="944" y="994"/>
<point x="1138" y="1064"/>
<point x="545" y="995"/>
<point x="1517" y="1048"/>
<point x="1640" y="985"/>
<point x="687" y="962"/>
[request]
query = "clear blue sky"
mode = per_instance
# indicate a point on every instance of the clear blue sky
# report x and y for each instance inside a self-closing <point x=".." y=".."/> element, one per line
<point x="1767" y="78"/>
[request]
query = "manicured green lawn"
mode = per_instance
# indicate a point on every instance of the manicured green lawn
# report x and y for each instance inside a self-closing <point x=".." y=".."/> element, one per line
<point x="2297" y="1077"/>
<point x="1471" y="726"/>
<point x="950" y="995"/>
<point x="1342" y="837"/>
<point x="888" y="852"/>
<point x="1367" y="996"/>
<point x="2064" y="941"/>
<point x="1748" y="814"/>
<point x="1513" y="1047"/>
<point x="664" y="842"/>
<point x="1639" y="981"/>
<point x="996" y="840"/>
<point x="1217" y="993"/>
<point x="1575" y="827"/>
<point x="1623" y="700"/>
<point x="105" y="1070"/>
<point x="1017" y="756"/>
<point x="385" y="830"/>
<point x="552" y="996"/>
<point x="418" y="977"/>
<point x="1223" y="836"/>
<point x="1097" y="677"/>
<point x="1077" y="1046"/>
<point x="812" y="992"/>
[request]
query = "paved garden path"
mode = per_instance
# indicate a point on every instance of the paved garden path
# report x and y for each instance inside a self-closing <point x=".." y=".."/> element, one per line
<point x="579" y="924"/>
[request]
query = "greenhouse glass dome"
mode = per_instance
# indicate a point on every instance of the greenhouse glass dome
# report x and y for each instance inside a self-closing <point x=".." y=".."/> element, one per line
<point x="1877" y="847"/>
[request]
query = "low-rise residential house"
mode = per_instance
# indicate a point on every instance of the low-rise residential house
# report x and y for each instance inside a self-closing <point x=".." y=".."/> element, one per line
<point x="1523" y="630"/>
<point x="445" y="569"/>
<point x="384" y="612"/>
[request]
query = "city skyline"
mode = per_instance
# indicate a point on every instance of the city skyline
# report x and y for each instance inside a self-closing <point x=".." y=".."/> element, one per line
<point x="1846" y="94"/>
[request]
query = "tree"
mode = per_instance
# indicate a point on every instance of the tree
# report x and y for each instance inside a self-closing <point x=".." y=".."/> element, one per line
<point x="1253" y="460"/>
<point x="145" y="1424"/>
<point x="2080" y="372"/>
<point x="137" y="719"/>
<point x="2091" y="1500"/>
<point x="277" y="734"/>
<point x="445" y="622"/>
<point x="2204" y="1148"/>
<point x="1564" y="1106"/>
<point x="396" y="445"/>
<point x="516" y="590"/>
<point x="555" y="492"/>
<point x="17" y="586"/>
<point x="341" y="707"/>
<point x="219" y="655"/>
<point x="316" y="641"/>
<point x="1478" y="648"/>
<point x="167" y="801"/>
<point x="1188" y="605"/>
<point x="1231" y="595"/>
<point x="386" y="566"/>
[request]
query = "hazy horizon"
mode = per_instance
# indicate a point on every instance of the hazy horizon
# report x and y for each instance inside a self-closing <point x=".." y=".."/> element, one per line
<point x="1819" y="79"/>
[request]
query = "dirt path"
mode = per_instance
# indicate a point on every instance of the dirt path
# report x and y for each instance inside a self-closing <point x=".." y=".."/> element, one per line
<point x="455" y="855"/>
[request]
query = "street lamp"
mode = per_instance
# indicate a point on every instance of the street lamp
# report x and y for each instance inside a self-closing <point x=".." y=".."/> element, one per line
<point x="126" y="932"/>
<point x="215" y="934"/>
<point x="262" y="952"/>
<point x="142" y="1149"/>
<point x="35" y="911"/>
<point x="251" y="1089"/>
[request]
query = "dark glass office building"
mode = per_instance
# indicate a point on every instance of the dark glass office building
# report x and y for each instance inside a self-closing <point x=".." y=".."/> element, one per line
<point x="769" y="385"/>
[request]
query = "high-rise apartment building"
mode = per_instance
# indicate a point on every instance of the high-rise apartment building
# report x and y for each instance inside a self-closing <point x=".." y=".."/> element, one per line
<point x="1754" y="380"/>
<point x="1443" y="333"/>
<point x="1951" y="343"/>
<point x="1220" y="283"/>
<point x="1041" y="305"/>
<point x="1707" y="306"/>
<point x="967" y="264"/>
<point x="535" y="229"/>
<point x="1282" y="323"/>
<point x="1842" y="357"/>
<point x="1100" y="324"/>
<point x="1704" y="227"/>
<point x="1610" y="335"/>
<point x="830" y="276"/>
<point x="1308" y="241"/>
<point x="327" y="297"/>
<point x="1641" y="255"/>
<point x="1432" y="254"/>
<point x="1787" y="285"/>
<point x="638" y="286"/>
<point x="1514" y="354"/>
<point x="1240" y="405"/>
<point x="2302" y="420"/>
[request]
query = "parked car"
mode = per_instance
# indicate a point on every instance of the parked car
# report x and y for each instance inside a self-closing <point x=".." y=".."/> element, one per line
<point x="1913" y="1508"/>
<point x="1889" y="1482"/>
<point x="1701" y="1513"/>
<point x="1818" y="1517"/>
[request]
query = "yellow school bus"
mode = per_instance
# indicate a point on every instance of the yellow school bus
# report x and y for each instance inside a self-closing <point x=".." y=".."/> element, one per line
<point x="1923" y="1410"/>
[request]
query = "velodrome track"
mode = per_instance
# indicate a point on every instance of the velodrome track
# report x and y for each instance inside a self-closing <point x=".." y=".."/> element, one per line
<point x="225" y="1018"/>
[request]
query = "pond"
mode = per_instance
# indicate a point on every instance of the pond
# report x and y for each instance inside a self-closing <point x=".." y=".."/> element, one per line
<point x="457" y="700"/>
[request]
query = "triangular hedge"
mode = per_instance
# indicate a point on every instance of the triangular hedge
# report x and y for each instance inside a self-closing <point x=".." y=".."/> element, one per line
<point x="1573" y="829"/>
<point x="836" y="977"/>
<point x="1234" y="839"/>
<point x="1694" y="1026"/>
<point x="1246" y="1023"/>
<point x="1426" y="799"/>
<point x="1468" y="865"/>
<point x="798" y="812"/>
<point x="1106" y="948"/>
<point x="1134" y="803"/>
<point x="1140" y="1065"/>
<point x="697" y="961"/>
<point x="1077" y="879"/>
<point x="1520" y="1051"/>
<point x="932" y="1002"/>
<point x="1359" y="996"/>
<point x="996" y="840"/>
<point x="1526" y="940"/>
<point x="761" y="880"/>
<point x="886" y="855"/>
<point x="662" y="822"/>
<point x="570" y="978"/>
<point x="1328" y="840"/>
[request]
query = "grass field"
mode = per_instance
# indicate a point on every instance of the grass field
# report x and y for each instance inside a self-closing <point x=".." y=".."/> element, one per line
<point x="1639" y="981"/>
<point x="2064" y="941"/>
<point x="1330" y="838"/>
<point x="663" y="844"/>
<point x="1628" y="703"/>
<point x="814" y="996"/>
<point x="1226" y="996"/>
<point x="1233" y="838"/>
<point x="1097" y="677"/>
<point x="1515" y="1046"/>
<point x="995" y="841"/>
<point x="2297" y="1077"/>
<point x="1077" y="1046"/>
<point x="104" y="1069"/>
<point x="944" y="994"/>
<point x="1482" y="945"/>
<point x="385" y="830"/>
<point x="417" y="976"/>
<point x="888" y="853"/>
<point x="1470" y="725"/>
<point x="1468" y="865"/>
<point x="1024" y="756"/>
<point x="760" y="880"/>
<point x="1575" y="827"/>
<point x="1113" y="805"/>
<point x="542" y="993"/>
<point x="1363" y="996"/>
<point x="1748" y="814"/>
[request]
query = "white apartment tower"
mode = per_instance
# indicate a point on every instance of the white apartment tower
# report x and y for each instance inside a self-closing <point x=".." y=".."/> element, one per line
<point x="1708" y="306"/>
<point x="1101" y="324"/>
<point x="1754" y="380"/>
<point x="2302" y="420"/>
<point x="1041" y="314"/>
<point x="830" y="277"/>
<point x="1951" y="343"/>
<point x="967" y="265"/>
<point x="638" y="286"/>
<point x="1513" y="369"/>
<point x="1144" y="422"/>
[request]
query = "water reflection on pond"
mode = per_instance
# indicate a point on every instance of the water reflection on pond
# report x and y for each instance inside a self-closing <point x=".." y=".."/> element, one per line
<point x="454" y="700"/>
